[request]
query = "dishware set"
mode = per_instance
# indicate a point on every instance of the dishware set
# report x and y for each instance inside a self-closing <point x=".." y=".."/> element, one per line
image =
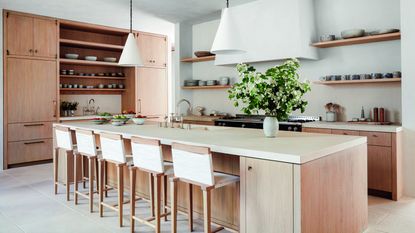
<point x="223" y="81"/>
<point x="75" y="56"/>
<point x="112" y="74"/>
<point x="100" y="86"/>
<point x="396" y="74"/>
<point x="355" y="33"/>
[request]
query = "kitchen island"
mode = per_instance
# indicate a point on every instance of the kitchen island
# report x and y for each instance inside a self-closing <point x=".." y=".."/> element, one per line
<point x="297" y="182"/>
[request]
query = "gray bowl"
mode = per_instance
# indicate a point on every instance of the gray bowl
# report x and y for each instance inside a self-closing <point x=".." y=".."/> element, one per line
<point x="324" y="38"/>
<point x="352" y="33"/>
<point x="72" y="55"/>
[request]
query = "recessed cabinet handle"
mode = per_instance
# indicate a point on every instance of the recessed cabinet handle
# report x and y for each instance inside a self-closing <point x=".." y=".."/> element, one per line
<point x="35" y="50"/>
<point x="139" y="105"/>
<point x="31" y="125"/>
<point x="54" y="108"/>
<point x="35" y="142"/>
<point x="249" y="168"/>
<point x="30" y="50"/>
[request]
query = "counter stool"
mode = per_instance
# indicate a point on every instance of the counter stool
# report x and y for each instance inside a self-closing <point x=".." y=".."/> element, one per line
<point x="113" y="151"/>
<point x="148" y="157"/>
<point x="87" y="148"/>
<point x="193" y="165"/>
<point x="63" y="139"/>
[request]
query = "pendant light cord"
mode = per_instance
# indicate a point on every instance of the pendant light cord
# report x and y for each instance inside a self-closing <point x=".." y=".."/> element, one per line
<point x="227" y="3"/>
<point x="131" y="16"/>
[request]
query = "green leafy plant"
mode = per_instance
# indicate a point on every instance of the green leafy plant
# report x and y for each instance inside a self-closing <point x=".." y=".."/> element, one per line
<point x="73" y="106"/>
<point x="65" y="105"/>
<point x="278" y="92"/>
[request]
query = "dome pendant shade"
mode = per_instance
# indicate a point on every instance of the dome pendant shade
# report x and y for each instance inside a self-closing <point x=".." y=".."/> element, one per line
<point x="130" y="55"/>
<point x="227" y="39"/>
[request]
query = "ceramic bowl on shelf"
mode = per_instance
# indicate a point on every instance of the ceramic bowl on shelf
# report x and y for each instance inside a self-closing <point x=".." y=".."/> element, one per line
<point x="110" y="59"/>
<point x="376" y="75"/>
<point x="397" y="74"/>
<point x="224" y="81"/>
<point x="352" y="33"/>
<point x="202" y="83"/>
<point x="71" y="55"/>
<point x="91" y="58"/>
<point x="325" y="38"/>
<point x="203" y="53"/>
<point x="212" y="82"/>
<point x="384" y="31"/>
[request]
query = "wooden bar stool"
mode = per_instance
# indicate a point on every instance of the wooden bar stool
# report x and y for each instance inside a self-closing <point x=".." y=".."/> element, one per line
<point x="87" y="148"/>
<point x="63" y="139"/>
<point x="148" y="157"/>
<point x="193" y="165"/>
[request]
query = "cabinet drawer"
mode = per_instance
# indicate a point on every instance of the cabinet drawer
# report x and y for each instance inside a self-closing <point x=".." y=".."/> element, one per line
<point x="345" y="132"/>
<point x="29" y="131"/>
<point x="377" y="138"/>
<point x="317" y="130"/>
<point x="30" y="151"/>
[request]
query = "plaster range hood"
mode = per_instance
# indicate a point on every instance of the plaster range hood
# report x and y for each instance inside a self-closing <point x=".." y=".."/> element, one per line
<point x="273" y="30"/>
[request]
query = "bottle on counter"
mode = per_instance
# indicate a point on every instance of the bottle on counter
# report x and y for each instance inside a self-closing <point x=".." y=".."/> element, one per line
<point x="381" y="115"/>
<point x="375" y="114"/>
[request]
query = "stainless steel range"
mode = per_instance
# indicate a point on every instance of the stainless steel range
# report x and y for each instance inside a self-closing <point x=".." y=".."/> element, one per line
<point x="294" y="123"/>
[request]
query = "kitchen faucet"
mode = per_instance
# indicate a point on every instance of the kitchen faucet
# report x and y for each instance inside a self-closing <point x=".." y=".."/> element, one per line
<point x="189" y="109"/>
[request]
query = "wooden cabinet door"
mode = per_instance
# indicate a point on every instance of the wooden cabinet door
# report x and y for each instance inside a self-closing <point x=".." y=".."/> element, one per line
<point x="145" y="45"/>
<point x="45" y="38"/>
<point x="19" y="34"/>
<point x="345" y="132"/>
<point x="31" y="90"/>
<point x="159" y="51"/>
<point x="152" y="92"/>
<point x="379" y="168"/>
<point x="267" y="203"/>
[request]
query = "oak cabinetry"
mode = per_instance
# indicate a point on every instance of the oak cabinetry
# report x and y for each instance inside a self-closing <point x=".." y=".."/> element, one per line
<point x="151" y="91"/>
<point x="30" y="36"/>
<point x="266" y="204"/>
<point x="384" y="160"/>
<point x="29" y="131"/>
<point x="30" y="151"/>
<point x="153" y="49"/>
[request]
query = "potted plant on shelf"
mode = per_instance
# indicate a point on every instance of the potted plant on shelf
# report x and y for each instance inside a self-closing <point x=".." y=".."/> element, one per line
<point x="72" y="107"/>
<point x="65" y="108"/>
<point x="277" y="92"/>
<point x="331" y="112"/>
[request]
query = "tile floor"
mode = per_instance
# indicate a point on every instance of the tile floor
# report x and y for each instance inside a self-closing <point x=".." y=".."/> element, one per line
<point x="27" y="204"/>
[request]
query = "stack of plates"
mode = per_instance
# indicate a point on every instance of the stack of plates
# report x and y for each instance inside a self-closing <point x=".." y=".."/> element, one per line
<point x="191" y="83"/>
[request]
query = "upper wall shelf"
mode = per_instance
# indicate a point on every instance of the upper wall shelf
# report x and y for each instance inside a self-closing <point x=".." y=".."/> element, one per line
<point x="86" y="44"/>
<point x="359" y="40"/>
<point x="87" y="63"/>
<point x="198" y="59"/>
<point x="368" y="81"/>
<point x="206" y="87"/>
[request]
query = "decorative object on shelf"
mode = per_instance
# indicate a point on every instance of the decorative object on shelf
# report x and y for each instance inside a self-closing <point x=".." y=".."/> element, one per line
<point x="277" y="92"/>
<point x="91" y="58"/>
<point x="203" y="54"/>
<point x="191" y="83"/>
<point x="68" y="108"/>
<point x="358" y="40"/>
<point x="324" y="38"/>
<point x="331" y="112"/>
<point x="72" y="55"/>
<point x="130" y="55"/>
<point x="384" y="31"/>
<point x="224" y="81"/>
<point x="352" y="33"/>
<point x="397" y="74"/>
<point x="227" y="39"/>
<point x="202" y="83"/>
<point x="211" y="82"/>
<point x="110" y="59"/>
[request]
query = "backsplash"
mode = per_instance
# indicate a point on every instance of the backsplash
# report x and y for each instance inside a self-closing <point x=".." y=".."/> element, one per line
<point x="106" y="103"/>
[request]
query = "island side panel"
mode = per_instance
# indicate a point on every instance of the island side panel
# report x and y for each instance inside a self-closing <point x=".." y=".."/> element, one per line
<point x="334" y="193"/>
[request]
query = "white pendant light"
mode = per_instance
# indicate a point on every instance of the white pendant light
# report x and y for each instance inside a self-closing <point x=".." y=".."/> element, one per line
<point x="227" y="40"/>
<point x="130" y="55"/>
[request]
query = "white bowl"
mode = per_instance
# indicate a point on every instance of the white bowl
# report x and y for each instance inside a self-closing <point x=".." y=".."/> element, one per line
<point x="110" y="59"/>
<point x="72" y="55"/>
<point x="139" y="121"/>
<point x="90" y="58"/>
<point x="117" y="123"/>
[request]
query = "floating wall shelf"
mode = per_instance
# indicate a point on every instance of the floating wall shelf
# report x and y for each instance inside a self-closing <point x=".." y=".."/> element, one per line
<point x="89" y="45"/>
<point x="198" y="59"/>
<point x="367" y="81"/>
<point x="206" y="87"/>
<point x="359" y="40"/>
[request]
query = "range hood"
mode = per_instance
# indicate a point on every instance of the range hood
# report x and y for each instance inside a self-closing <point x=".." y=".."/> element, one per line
<point x="272" y="30"/>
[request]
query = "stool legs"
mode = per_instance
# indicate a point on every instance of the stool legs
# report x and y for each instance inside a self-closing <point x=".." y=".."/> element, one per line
<point x="91" y="183"/>
<point x="190" y="206"/>
<point x="75" y="179"/>
<point x="157" y="197"/>
<point x="83" y="172"/>
<point x="173" y="203"/>
<point x="207" y="210"/>
<point x="165" y="197"/>
<point x="151" y="181"/>
<point x="68" y="187"/>
<point x="101" y="186"/>
<point x="132" y="197"/>
<point x="120" y="192"/>
<point x="55" y="170"/>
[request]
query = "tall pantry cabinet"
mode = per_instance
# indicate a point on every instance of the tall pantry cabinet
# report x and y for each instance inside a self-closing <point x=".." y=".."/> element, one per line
<point x="30" y="87"/>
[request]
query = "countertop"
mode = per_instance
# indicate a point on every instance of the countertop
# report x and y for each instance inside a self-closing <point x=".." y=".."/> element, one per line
<point x="78" y="118"/>
<point x="290" y="147"/>
<point x="352" y="126"/>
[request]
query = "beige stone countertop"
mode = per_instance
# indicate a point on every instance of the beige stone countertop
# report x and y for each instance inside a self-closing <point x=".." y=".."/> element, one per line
<point x="290" y="147"/>
<point x="78" y="118"/>
<point x="353" y="126"/>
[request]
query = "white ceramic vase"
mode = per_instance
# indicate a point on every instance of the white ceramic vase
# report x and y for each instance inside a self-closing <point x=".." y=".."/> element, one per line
<point x="271" y="127"/>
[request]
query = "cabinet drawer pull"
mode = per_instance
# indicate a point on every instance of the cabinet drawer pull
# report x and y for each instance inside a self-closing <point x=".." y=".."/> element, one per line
<point x="35" y="50"/>
<point x="375" y="136"/>
<point x="249" y="168"/>
<point x="35" y="142"/>
<point x="139" y="105"/>
<point x="31" y="125"/>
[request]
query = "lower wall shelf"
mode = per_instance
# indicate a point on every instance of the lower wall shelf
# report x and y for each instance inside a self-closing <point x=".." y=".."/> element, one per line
<point x="206" y="87"/>
<point x="367" y="81"/>
<point x="87" y="91"/>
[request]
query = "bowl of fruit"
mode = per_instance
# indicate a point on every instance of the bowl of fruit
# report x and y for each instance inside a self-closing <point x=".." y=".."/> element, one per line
<point x="118" y="120"/>
<point x="99" y="120"/>
<point x="105" y="115"/>
<point x="139" y="119"/>
<point x="129" y="113"/>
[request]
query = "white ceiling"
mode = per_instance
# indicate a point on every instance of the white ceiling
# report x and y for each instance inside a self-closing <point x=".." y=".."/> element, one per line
<point x="182" y="10"/>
